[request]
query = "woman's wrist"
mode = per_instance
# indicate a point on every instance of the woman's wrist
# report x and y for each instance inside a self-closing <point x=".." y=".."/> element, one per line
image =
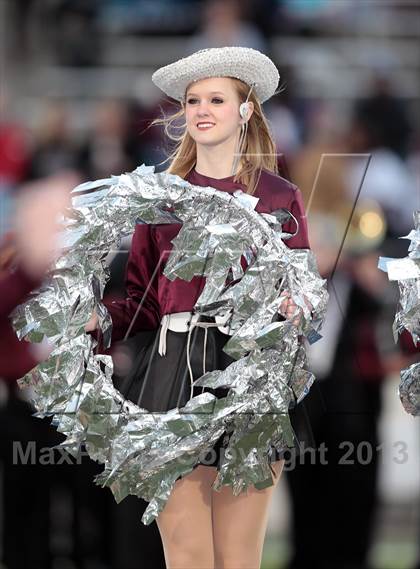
<point x="92" y="323"/>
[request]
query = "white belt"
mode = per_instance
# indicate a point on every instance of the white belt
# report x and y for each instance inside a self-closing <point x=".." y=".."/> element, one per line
<point x="183" y="322"/>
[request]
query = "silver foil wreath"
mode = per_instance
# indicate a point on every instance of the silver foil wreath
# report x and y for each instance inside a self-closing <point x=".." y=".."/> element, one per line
<point x="406" y="272"/>
<point x="145" y="453"/>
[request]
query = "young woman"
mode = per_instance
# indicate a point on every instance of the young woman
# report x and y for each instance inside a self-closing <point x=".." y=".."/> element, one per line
<point x="225" y="143"/>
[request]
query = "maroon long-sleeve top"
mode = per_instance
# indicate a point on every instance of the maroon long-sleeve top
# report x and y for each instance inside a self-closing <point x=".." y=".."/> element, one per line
<point x="16" y="357"/>
<point x="151" y="246"/>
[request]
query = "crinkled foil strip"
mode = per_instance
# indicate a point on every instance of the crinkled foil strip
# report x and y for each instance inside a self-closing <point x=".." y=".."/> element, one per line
<point x="406" y="272"/>
<point x="144" y="453"/>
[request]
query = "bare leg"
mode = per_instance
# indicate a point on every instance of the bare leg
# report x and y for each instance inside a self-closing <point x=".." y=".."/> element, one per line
<point x="240" y="523"/>
<point x="185" y="524"/>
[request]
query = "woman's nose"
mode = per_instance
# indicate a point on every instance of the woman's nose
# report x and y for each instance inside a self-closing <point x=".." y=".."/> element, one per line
<point x="202" y="109"/>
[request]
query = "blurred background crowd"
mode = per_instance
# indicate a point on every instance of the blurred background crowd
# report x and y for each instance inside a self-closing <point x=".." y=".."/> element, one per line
<point x="76" y="96"/>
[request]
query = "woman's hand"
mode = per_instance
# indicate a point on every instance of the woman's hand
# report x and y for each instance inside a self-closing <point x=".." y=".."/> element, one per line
<point x="92" y="323"/>
<point x="288" y="308"/>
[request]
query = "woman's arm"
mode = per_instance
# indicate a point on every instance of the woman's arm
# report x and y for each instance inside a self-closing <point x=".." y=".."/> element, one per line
<point x="14" y="287"/>
<point x="288" y="307"/>
<point x="16" y="357"/>
<point x="297" y="209"/>
<point x="141" y="285"/>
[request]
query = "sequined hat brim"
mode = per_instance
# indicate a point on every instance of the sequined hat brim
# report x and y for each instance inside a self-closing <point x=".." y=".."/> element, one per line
<point x="247" y="64"/>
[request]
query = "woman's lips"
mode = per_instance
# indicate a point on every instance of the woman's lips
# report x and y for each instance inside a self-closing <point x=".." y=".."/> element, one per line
<point x="204" y="125"/>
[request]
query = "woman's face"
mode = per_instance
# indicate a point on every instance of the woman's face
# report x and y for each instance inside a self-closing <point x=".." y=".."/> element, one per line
<point x="212" y="111"/>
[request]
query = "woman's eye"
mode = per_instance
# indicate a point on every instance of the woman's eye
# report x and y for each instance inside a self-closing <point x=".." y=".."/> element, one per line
<point x="193" y="101"/>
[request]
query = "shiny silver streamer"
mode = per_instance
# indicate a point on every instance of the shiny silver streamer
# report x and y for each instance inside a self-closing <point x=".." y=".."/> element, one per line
<point x="406" y="272"/>
<point x="409" y="389"/>
<point x="145" y="453"/>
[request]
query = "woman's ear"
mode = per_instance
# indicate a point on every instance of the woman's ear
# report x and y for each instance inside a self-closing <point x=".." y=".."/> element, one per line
<point x="249" y="110"/>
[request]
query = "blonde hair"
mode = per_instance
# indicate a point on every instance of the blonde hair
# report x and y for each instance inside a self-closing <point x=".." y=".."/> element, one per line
<point x="259" y="149"/>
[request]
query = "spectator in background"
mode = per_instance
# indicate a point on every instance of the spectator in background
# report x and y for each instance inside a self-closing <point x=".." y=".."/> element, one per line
<point x="54" y="146"/>
<point x="14" y="160"/>
<point x="285" y="128"/>
<point x="413" y="163"/>
<point x="385" y="116"/>
<point x="322" y="177"/>
<point x="223" y="24"/>
<point x="75" y="38"/>
<point x="14" y="153"/>
<point x="388" y="180"/>
<point x="20" y="13"/>
<point x="112" y="146"/>
<point x="380" y="128"/>
<point x="334" y="491"/>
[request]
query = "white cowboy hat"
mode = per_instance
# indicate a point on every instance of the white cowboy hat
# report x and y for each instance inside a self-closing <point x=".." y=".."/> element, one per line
<point x="251" y="66"/>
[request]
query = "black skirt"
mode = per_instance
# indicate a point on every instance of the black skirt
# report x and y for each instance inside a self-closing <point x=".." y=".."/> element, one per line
<point x="160" y="383"/>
